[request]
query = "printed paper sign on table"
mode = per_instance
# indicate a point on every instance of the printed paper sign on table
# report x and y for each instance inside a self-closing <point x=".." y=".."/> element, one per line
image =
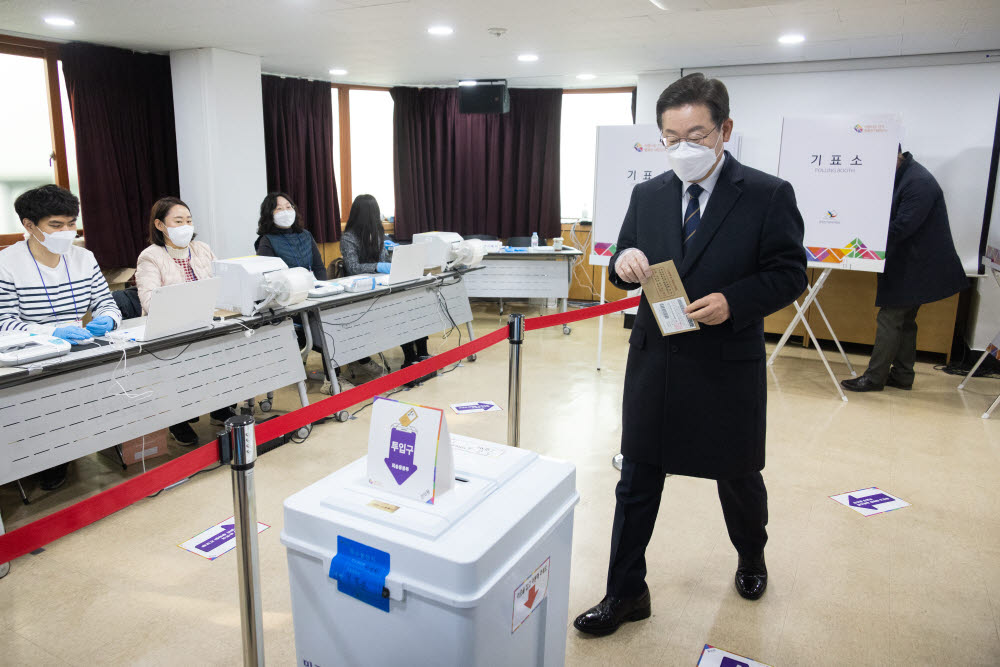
<point x="842" y="169"/>
<point x="217" y="540"/>
<point x="871" y="501"/>
<point x="475" y="406"/>
<point x="716" y="657"/>
<point x="409" y="450"/>
<point x="528" y="596"/>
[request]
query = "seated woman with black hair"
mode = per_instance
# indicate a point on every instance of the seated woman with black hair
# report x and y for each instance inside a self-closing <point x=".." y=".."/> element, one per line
<point x="280" y="234"/>
<point x="363" y="248"/>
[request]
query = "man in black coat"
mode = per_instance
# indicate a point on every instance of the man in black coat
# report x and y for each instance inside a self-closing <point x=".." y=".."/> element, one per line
<point x="695" y="403"/>
<point x="921" y="266"/>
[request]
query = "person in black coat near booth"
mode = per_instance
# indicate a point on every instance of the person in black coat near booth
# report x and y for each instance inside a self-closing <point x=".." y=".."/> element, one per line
<point x="695" y="403"/>
<point x="921" y="266"/>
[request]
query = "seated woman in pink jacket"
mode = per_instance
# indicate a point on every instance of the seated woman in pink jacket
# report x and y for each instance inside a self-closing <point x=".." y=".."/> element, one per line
<point x="174" y="257"/>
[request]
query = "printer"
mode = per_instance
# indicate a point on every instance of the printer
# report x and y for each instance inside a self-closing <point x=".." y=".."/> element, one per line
<point x="251" y="283"/>
<point x="440" y="247"/>
<point x="449" y="250"/>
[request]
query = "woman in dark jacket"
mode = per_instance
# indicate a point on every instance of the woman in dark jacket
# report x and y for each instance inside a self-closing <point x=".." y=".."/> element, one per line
<point x="280" y="234"/>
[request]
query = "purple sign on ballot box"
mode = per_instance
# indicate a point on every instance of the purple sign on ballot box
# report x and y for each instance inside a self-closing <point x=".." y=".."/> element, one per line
<point x="402" y="443"/>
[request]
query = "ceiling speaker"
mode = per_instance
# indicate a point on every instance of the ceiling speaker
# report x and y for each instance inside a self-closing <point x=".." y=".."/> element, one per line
<point x="483" y="97"/>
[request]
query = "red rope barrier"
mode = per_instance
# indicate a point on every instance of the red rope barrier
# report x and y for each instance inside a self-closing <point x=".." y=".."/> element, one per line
<point x="557" y="319"/>
<point x="49" y="528"/>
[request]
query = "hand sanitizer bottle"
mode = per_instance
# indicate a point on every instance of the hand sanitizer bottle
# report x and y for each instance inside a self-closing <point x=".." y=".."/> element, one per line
<point x="534" y="239"/>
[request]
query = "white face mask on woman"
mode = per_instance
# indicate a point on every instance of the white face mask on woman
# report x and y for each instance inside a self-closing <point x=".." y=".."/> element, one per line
<point x="180" y="236"/>
<point x="284" y="218"/>
<point x="56" y="242"/>
<point x="691" y="162"/>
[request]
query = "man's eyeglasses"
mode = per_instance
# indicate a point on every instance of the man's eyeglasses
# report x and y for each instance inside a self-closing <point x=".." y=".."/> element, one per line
<point x="670" y="141"/>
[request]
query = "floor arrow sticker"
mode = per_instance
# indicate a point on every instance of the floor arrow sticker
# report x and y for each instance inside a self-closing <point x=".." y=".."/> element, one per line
<point x="870" y="501"/>
<point x="217" y="540"/>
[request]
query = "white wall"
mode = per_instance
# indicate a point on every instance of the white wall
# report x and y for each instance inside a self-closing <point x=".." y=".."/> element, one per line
<point x="949" y="114"/>
<point x="220" y="145"/>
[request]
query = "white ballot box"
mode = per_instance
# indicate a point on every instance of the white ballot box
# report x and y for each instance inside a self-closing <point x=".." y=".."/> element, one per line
<point x="479" y="577"/>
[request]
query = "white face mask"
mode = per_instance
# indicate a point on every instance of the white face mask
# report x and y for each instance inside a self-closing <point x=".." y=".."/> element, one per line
<point x="691" y="162"/>
<point x="181" y="236"/>
<point x="57" y="242"/>
<point x="284" y="218"/>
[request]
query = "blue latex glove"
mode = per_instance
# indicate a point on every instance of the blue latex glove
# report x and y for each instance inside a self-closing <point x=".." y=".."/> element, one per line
<point x="389" y="243"/>
<point x="383" y="267"/>
<point x="101" y="325"/>
<point x="72" y="335"/>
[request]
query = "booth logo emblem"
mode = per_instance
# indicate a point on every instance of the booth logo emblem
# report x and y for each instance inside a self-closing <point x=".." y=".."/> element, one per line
<point x="638" y="147"/>
<point x="830" y="214"/>
<point x="858" y="128"/>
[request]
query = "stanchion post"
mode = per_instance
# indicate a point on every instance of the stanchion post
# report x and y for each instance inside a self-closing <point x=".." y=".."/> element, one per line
<point x="244" y="447"/>
<point x="515" y="336"/>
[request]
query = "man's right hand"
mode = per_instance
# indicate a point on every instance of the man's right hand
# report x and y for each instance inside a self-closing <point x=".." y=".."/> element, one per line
<point x="632" y="266"/>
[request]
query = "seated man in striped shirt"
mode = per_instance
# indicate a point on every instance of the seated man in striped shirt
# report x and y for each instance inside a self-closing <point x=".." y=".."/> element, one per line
<point x="47" y="284"/>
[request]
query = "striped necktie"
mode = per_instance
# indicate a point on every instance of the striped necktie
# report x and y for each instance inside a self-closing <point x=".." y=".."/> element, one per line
<point x="693" y="214"/>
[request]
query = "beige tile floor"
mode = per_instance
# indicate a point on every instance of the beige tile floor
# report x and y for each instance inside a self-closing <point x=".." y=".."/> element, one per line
<point x="919" y="586"/>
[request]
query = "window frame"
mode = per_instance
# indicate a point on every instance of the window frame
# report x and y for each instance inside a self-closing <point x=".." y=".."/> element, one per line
<point x="344" y="122"/>
<point x="48" y="52"/>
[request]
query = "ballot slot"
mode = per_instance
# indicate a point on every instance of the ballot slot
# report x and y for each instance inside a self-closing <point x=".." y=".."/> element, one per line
<point x="480" y="468"/>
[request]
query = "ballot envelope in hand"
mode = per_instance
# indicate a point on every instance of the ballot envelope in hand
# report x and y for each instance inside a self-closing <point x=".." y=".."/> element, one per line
<point x="666" y="296"/>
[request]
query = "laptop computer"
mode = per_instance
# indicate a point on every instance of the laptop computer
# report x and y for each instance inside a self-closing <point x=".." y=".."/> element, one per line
<point x="175" y="309"/>
<point x="407" y="263"/>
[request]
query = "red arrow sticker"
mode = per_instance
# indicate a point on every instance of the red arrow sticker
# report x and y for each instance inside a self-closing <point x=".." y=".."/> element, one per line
<point x="528" y="596"/>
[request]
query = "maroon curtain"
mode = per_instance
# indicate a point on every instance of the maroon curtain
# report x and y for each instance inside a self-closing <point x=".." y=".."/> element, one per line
<point x="476" y="173"/>
<point x="298" y="144"/>
<point x="123" y="118"/>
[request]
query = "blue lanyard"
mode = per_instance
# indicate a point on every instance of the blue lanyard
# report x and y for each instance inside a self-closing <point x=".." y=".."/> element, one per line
<point x="69" y="282"/>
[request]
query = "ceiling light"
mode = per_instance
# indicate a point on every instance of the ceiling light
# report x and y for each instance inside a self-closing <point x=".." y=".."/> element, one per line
<point x="585" y="77"/>
<point x="791" y="39"/>
<point x="527" y="57"/>
<point x="338" y="72"/>
<point x="661" y="4"/>
<point x="60" y="22"/>
<point x="440" y="30"/>
<point x="467" y="82"/>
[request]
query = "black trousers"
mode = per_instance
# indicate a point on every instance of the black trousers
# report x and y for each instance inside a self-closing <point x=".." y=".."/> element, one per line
<point x="744" y="506"/>
<point x="895" y="348"/>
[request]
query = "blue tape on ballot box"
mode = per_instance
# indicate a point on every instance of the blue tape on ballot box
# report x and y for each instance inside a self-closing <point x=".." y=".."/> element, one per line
<point x="360" y="572"/>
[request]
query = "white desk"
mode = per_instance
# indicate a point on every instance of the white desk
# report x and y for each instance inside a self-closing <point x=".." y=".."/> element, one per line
<point x="363" y="324"/>
<point x="71" y="406"/>
<point x="520" y="275"/>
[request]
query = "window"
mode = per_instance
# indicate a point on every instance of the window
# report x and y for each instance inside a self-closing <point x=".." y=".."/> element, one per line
<point x="24" y="134"/>
<point x="32" y="135"/>
<point x="582" y="113"/>
<point x="336" y="144"/>
<point x="70" y="138"/>
<point x="371" y="148"/>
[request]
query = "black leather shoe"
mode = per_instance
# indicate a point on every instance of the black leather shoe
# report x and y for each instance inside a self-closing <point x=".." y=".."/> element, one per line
<point x="893" y="382"/>
<point x="611" y="612"/>
<point x="863" y="383"/>
<point x="751" y="577"/>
